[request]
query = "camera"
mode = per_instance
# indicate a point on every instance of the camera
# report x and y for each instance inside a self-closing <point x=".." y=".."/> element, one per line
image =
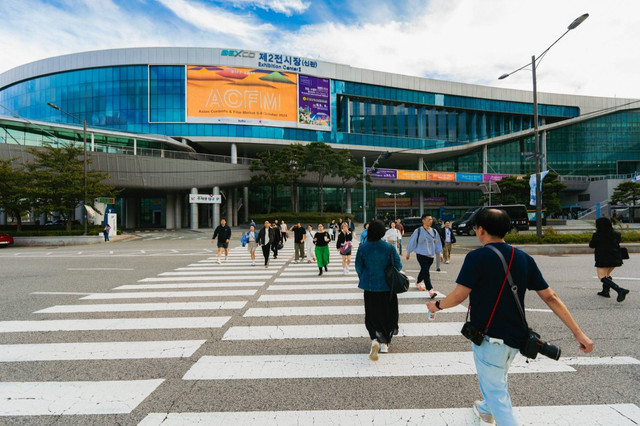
<point x="534" y="346"/>
<point x="472" y="333"/>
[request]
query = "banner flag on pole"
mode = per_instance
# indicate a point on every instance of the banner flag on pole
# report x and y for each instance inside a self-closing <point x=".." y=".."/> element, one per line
<point x="532" y="185"/>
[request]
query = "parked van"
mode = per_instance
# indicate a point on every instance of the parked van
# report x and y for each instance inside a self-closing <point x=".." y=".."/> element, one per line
<point x="517" y="213"/>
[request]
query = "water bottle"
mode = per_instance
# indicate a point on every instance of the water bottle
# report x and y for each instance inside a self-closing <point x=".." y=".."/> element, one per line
<point x="430" y="315"/>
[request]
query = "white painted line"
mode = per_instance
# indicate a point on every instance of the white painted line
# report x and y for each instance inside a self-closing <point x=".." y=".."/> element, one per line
<point x="112" y="324"/>
<point x="317" y="279"/>
<point x="142" y="307"/>
<point x="353" y="365"/>
<point x="60" y="293"/>
<point x="315" y="273"/>
<point x="337" y="310"/>
<point x="611" y="360"/>
<point x="100" y="269"/>
<point x="189" y="285"/>
<point x="67" y="398"/>
<point x="336" y="331"/>
<point x="99" y="350"/>
<point x="623" y="279"/>
<point x="287" y="287"/>
<point x="589" y="415"/>
<point x="538" y="310"/>
<point x="169" y="294"/>
<point x="337" y="296"/>
<point x="225" y="277"/>
<point x="221" y="272"/>
<point x="230" y="268"/>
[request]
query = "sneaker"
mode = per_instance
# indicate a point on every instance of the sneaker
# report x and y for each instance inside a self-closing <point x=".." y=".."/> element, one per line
<point x="225" y="258"/>
<point x="432" y="293"/>
<point x="437" y="269"/>
<point x="421" y="286"/>
<point x="484" y="417"/>
<point x="253" y="263"/>
<point x="622" y="293"/>
<point x="218" y="262"/>
<point x="344" y="271"/>
<point x="375" y="348"/>
<point x="446" y="261"/>
<point x="384" y="348"/>
<point x="295" y="261"/>
<point x="266" y="266"/>
<point x="347" y="269"/>
<point x="309" y="261"/>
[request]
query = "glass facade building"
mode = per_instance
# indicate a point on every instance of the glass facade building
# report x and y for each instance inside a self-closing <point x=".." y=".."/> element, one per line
<point x="482" y="130"/>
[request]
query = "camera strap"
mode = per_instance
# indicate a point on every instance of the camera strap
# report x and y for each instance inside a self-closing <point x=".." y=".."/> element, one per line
<point x="514" y="288"/>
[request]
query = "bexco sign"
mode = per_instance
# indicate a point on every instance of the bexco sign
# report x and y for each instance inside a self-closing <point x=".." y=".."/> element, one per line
<point x="205" y="199"/>
<point x="238" y="53"/>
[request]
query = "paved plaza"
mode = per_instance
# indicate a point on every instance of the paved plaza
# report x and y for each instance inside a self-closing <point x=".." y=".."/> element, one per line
<point x="152" y="331"/>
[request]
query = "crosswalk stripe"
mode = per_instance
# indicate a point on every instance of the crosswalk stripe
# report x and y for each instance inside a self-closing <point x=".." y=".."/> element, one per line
<point x="287" y="287"/>
<point x="221" y="272"/>
<point x="354" y="365"/>
<point x="189" y="285"/>
<point x="589" y="415"/>
<point x="66" y="398"/>
<point x="335" y="296"/>
<point x="142" y="307"/>
<point x="224" y="277"/>
<point x="99" y="350"/>
<point x="225" y="267"/>
<point x="337" y="310"/>
<point x="314" y="273"/>
<point x="309" y="280"/>
<point x="112" y="324"/>
<point x="336" y="331"/>
<point x="169" y="294"/>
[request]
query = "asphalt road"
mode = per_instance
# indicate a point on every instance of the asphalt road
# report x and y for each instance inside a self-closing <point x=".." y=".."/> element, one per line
<point x="252" y="360"/>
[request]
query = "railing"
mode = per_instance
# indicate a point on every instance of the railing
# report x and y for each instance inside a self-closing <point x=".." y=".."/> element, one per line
<point x="163" y="153"/>
<point x="607" y="177"/>
<point x="592" y="210"/>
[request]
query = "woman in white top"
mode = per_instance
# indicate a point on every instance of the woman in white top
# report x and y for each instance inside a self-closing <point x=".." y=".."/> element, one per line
<point x="308" y="244"/>
<point x="393" y="236"/>
<point x="285" y="231"/>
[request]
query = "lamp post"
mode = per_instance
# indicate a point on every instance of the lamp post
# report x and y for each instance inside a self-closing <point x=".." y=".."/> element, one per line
<point x="84" y="142"/>
<point x="534" y="63"/>
<point x="395" y="194"/>
<point x="382" y="156"/>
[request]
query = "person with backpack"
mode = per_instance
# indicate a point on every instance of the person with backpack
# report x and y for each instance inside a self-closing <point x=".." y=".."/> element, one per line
<point x="344" y="247"/>
<point x="223" y="232"/>
<point x="426" y="242"/>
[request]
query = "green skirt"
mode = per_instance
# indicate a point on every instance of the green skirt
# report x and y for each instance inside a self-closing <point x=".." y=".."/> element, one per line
<point x="322" y="256"/>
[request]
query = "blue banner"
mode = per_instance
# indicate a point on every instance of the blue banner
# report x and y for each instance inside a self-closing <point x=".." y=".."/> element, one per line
<point x="469" y="177"/>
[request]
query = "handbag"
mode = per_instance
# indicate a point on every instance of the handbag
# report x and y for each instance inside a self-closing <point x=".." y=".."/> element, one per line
<point x="345" y="250"/>
<point x="624" y="253"/>
<point x="397" y="281"/>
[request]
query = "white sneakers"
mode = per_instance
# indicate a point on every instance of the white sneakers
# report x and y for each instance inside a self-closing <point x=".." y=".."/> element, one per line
<point x="433" y="293"/>
<point x="485" y="418"/>
<point x="384" y="348"/>
<point x="347" y="269"/>
<point x="218" y="261"/>
<point x="421" y="286"/>
<point x="253" y="263"/>
<point x="375" y="348"/>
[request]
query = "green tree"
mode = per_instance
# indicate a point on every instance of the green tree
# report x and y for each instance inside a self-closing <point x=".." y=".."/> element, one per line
<point x="14" y="188"/>
<point x="321" y="159"/>
<point x="267" y="171"/>
<point x="517" y="191"/>
<point x="626" y="193"/>
<point x="349" y="171"/>
<point x="58" y="180"/>
<point x="292" y="169"/>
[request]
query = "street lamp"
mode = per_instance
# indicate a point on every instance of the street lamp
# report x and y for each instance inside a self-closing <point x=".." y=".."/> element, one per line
<point x="382" y="156"/>
<point x="84" y="141"/>
<point x="534" y="62"/>
<point x="395" y="194"/>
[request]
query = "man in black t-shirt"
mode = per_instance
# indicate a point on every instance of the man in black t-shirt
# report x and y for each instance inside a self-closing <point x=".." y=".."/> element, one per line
<point x="299" y="235"/>
<point x="223" y="232"/>
<point x="481" y="278"/>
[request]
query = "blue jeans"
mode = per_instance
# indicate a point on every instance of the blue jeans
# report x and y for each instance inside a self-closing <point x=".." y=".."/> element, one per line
<point x="492" y="360"/>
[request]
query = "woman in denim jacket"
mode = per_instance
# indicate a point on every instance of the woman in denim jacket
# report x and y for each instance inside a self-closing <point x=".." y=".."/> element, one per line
<point x="380" y="306"/>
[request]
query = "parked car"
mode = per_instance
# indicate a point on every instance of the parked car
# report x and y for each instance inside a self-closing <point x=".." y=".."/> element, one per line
<point x="6" y="240"/>
<point x="410" y="224"/>
<point x="517" y="213"/>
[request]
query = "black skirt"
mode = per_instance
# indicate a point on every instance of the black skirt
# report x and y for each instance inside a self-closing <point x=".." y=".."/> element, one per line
<point x="381" y="315"/>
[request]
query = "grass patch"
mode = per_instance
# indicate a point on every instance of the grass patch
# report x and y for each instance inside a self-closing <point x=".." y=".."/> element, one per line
<point x="551" y="237"/>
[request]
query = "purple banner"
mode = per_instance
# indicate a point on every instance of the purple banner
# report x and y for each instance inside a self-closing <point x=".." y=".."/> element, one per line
<point x="313" y="102"/>
<point x="383" y="173"/>
<point x="489" y="177"/>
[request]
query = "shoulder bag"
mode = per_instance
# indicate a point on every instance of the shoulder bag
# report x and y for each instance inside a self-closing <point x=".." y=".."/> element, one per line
<point x="397" y="281"/>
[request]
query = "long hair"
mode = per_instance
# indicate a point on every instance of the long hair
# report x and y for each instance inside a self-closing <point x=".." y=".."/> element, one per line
<point x="604" y="226"/>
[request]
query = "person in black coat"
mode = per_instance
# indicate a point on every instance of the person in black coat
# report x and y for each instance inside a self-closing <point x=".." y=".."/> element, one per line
<point x="266" y="237"/>
<point x="278" y="239"/>
<point x="606" y="243"/>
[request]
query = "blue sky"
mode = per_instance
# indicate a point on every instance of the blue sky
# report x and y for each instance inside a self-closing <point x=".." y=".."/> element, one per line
<point x="470" y="41"/>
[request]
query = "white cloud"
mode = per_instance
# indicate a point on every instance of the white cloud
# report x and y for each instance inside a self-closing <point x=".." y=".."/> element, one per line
<point x="286" y="7"/>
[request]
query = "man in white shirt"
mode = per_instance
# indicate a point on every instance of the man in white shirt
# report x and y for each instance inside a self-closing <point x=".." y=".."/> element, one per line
<point x="448" y="238"/>
<point x="392" y="236"/>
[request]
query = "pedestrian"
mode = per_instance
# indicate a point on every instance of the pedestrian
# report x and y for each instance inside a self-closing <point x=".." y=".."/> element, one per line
<point x="284" y="232"/>
<point x="332" y="229"/>
<point x="438" y="228"/>
<point x="344" y="247"/>
<point x="321" y="240"/>
<point x="380" y="305"/>
<point x="447" y="238"/>
<point x="308" y="242"/>
<point x="481" y="279"/>
<point x="392" y="236"/>
<point x="400" y="229"/>
<point x="277" y="242"/>
<point x="252" y="243"/>
<point x="426" y="242"/>
<point x="223" y="232"/>
<point x="363" y="235"/>
<point x="266" y="238"/>
<point x="252" y="223"/>
<point x="352" y="226"/>
<point x="606" y="243"/>
<point x="105" y="232"/>
<point x="299" y="236"/>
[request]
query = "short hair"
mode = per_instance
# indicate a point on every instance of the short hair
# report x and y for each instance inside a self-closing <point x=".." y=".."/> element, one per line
<point x="425" y="215"/>
<point x="496" y="222"/>
<point x="376" y="230"/>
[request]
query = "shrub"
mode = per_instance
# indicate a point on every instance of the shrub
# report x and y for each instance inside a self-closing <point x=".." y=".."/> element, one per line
<point x="552" y="237"/>
<point x="305" y="218"/>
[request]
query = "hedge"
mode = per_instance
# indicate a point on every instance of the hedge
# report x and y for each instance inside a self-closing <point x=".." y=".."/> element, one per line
<point x="549" y="236"/>
<point x="305" y="218"/>
<point x="56" y="232"/>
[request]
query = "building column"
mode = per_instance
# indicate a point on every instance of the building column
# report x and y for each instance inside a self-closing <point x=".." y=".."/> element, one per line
<point x="170" y="212"/>
<point x="421" y="196"/>
<point x="194" y="212"/>
<point x="348" y="201"/>
<point x="236" y="202"/>
<point x="135" y="146"/>
<point x="93" y="142"/>
<point x="234" y="153"/>
<point x="3" y="217"/>
<point x="245" y="202"/>
<point x="215" y="216"/>
<point x="229" y="206"/>
<point x="484" y="159"/>
<point x="130" y="213"/>
<point x="177" y="208"/>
